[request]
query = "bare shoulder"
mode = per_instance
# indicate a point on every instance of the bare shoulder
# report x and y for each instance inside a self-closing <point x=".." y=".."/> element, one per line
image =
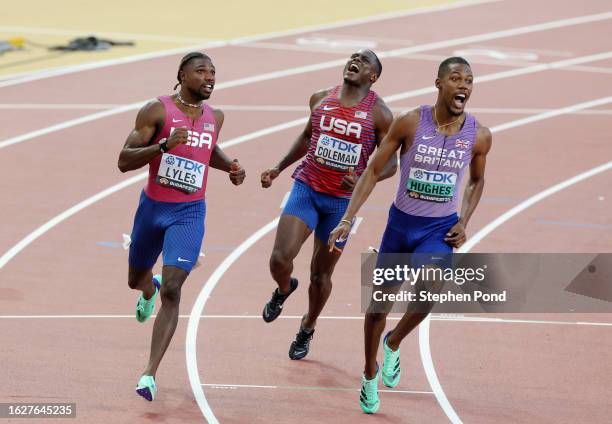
<point x="319" y="95"/>
<point x="409" y="119"/>
<point x="382" y="113"/>
<point x="484" y="139"/>
<point x="153" y="112"/>
<point x="219" y="116"/>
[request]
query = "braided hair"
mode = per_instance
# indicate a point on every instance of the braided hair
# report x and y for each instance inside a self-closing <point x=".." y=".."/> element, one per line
<point x="185" y="60"/>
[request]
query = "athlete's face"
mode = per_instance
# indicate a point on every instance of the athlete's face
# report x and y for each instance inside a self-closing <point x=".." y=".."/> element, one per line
<point x="361" y="68"/>
<point x="199" y="77"/>
<point x="455" y="87"/>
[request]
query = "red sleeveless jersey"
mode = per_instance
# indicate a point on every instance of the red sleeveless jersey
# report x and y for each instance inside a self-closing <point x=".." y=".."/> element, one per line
<point x="343" y="138"/>
<point x="180" y="174"/>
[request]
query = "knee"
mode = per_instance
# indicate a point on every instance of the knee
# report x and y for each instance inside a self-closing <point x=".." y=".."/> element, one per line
<point x="135" y="282"/>
<point x="279" y="261"/>
<point x="375" y="317"/>
<point x="320" y="279"/>
<point x="171" y="292"/>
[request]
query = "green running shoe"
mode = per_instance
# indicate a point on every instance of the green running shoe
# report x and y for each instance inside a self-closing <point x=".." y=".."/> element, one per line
<point x="391" y="371"/>
<point x="145" y="307"/>
<point x="146" y="387"/>
<point x="368" y="398"/>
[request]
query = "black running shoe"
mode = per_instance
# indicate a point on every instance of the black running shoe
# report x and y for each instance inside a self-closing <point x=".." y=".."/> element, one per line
<point x="301" y="344"/>
<point x="274" y="307"/>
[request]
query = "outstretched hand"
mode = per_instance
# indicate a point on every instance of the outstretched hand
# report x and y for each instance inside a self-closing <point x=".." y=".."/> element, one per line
<point x="268" y="176"/>
<point x="341" y="232"/>
<point x="236" y="173"/>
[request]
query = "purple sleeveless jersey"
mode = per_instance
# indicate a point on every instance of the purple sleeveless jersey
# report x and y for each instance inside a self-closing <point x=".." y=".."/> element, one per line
<point x="433" y="168"/>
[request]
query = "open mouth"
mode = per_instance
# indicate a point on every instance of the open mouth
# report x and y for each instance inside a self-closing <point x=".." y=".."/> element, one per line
<point x="460" y="100"/>
<point x="208" y="87"/>
<point x="353" y="67"/>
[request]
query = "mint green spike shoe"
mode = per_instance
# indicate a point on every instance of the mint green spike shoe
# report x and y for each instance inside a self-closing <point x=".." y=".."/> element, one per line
<point x="145" y="307"/>
<point x="368" y="398"/>
<point x="391" y="371"/>
<point x="147" y="387"/>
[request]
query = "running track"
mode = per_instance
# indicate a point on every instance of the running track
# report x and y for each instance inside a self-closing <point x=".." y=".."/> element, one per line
<point x="67" y="313"/>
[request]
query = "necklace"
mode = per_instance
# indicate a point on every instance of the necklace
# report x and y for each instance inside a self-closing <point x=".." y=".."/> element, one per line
<point x="183" y="102"/>
<point x="438" y="126"/>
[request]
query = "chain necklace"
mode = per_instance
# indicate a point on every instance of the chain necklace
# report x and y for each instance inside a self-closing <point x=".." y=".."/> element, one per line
<point x="438" y="126"/>
<point x="183" y="102"/>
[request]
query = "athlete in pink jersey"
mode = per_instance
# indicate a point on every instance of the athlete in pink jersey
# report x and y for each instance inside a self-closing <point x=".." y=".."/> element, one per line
<point x="345" y="126"/>
<point x="437" y="146"/>
<point x="176" y="136"/>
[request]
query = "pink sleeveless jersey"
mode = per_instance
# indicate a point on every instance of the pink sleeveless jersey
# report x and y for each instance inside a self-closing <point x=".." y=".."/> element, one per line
<point x="180" y="174"/>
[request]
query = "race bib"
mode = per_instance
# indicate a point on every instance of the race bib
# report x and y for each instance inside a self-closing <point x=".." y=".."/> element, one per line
<point x="337" y="154"/>
<point x="431" y="186"/>
<point x="180" y="173"/>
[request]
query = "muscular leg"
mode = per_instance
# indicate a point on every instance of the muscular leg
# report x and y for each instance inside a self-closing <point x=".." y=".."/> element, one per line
<point x="414" y="315"/>
<point x="141" y="280"/>
<point x="321" y="268"/>
<point x="373" y="327"/>
<point x="291" y="233"/>
<point x="167" y="318"/>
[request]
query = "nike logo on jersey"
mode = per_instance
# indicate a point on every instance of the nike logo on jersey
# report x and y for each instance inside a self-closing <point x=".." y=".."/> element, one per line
<point x="428" y="138"/>
<point x="183" y="260"/>
<point x="176" y="120"/>
<point x="329" y="107"/>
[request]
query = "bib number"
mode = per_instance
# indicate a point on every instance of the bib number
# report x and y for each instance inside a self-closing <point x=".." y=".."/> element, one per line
<point x="179" y="173"/>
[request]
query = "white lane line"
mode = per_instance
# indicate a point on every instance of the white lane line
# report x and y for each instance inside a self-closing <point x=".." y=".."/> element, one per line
<point x="58" y="106"/>
<point x="491" y="320"/>
<point x="86" y="33"/>
<point x="314" y="388"/>
<point x="392" y="98"/>
<point x="424" y="346"/>
<point x="292" y="108"/>
<point x="196" y="311"/>
<point x="19" y="78"/>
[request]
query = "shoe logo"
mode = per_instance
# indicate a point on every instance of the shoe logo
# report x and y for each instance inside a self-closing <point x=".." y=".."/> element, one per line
<point x="329" y="107"/>
<point x="428" y="138"/>
<point x="176" y="120"/>
<point x="183" y="260"/>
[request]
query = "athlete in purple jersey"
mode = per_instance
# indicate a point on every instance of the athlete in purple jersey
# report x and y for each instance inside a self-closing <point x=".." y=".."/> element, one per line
<point x="346" y="124"/>
<point x="176" y="136"/>
<point x="437" y="145"/>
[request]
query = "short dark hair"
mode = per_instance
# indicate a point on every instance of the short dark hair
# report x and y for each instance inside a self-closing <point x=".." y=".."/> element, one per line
<point x="377" y="62"/>
<point x="446" y="63"/>
<point x="185" y="60"/>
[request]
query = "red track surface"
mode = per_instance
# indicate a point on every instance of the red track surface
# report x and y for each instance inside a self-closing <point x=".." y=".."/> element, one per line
<point x="490" y="372"/>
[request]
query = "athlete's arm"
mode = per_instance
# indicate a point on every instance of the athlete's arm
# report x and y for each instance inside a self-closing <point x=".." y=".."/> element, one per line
<point x="299" y="147"/>
<point x="137" y="151"/>
<point x="473" y="190"/>
<point x="400" y="134"/>
<point x="218" y="158"/>
<point x="383" y="118"/>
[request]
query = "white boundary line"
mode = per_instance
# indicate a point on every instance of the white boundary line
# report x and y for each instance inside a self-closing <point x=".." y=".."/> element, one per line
<point x="492" y="320"/>
<point x="424" y="346"/>
<point x="9" y="80"/>
<point x="309" y="388"/>
<point x="392" y="98"/>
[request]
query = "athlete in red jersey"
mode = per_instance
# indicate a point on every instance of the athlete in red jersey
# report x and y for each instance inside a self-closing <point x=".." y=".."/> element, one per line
<point x="176" y="136"/>
<point x="346" y="124"/>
